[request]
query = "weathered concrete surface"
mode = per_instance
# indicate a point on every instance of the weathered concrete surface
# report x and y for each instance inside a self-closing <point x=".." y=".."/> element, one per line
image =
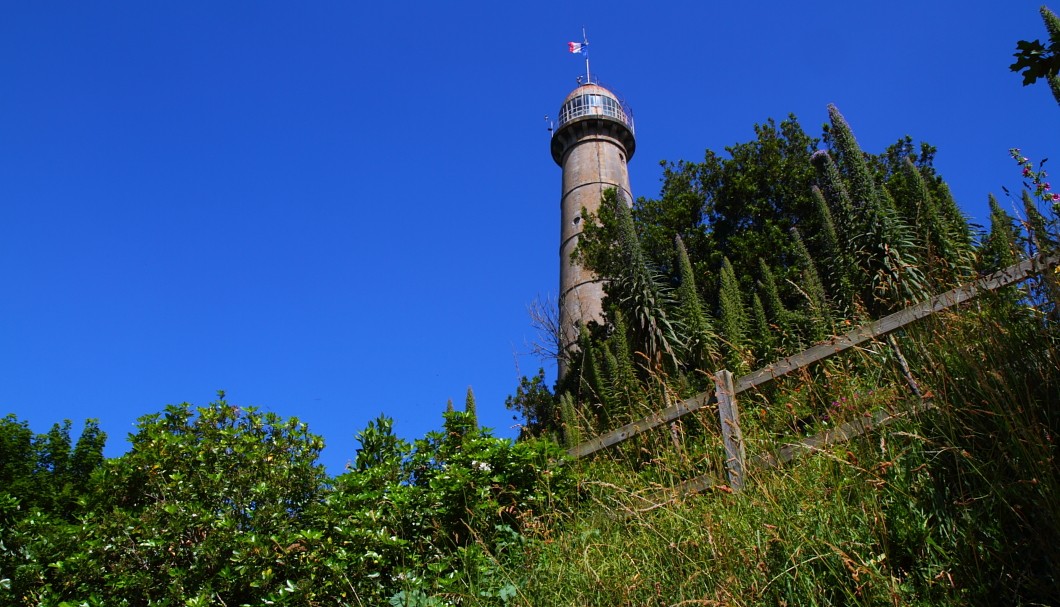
<point x="593" y="149"/>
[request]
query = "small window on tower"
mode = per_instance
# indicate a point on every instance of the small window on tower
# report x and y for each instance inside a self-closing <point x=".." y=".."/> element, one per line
<point x="577" y="220"/>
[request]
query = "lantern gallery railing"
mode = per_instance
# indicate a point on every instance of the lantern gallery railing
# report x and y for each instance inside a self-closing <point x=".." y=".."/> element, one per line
<point x="594" y="104"/>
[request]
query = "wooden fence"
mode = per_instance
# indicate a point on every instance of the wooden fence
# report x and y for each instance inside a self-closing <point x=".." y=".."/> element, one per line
<point x="726" y="389"/>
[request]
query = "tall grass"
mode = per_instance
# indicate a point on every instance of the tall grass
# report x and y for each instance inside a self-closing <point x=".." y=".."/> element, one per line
<point x="996" y="479"/>
<point x="956" y="505"/>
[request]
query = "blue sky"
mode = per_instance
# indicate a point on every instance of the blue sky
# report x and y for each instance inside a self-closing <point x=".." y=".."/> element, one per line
<point x="334" y="210"/>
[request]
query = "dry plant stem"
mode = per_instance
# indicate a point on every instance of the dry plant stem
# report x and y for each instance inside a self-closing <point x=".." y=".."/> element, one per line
<point x="905" y="367"/>
<point x="544" y="318"/>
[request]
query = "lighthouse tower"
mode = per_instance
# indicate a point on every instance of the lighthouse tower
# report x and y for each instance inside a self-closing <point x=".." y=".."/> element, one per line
<point x="592" y="142"/>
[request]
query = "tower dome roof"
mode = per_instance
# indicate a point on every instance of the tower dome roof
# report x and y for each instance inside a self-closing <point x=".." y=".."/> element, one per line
<point x="591" y="88"/>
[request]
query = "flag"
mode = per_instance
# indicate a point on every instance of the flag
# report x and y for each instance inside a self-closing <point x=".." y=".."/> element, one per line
<point x="575" y="47"/>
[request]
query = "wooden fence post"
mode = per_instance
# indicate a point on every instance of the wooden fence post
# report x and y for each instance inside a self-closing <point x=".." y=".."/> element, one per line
<point x="731" y="435"/>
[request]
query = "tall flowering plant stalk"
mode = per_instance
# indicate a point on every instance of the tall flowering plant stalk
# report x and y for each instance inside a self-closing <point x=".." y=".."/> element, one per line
<point x="1041" y="226"/>
<point x="1042" y="231"/>
<point x="1036" y="179"/>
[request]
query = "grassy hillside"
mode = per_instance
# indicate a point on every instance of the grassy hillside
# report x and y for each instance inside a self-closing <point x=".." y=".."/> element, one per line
<point x="956" y="505"/>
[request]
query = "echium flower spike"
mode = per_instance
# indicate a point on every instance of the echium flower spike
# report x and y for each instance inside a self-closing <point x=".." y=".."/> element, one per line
<point x="471" y="409"/>
<point x="732" y="316"/>
<point x="777" y="313"/>
<point x="886" y="256"/>
<point x="832" y="184"/>
<point x="592" y="386"/>
<point x="765" y="341"/>
<point x="836" y="255"/>
<point x="640" y="294"/>
<point x="863" y="189"/>
<point x="700" y="340"/>
<point x="624" y="380"/>
<point x="828" y="233"/>
<point x="999" y="248"/>
<point x="1052" y="23"/>
<point x="936" y="235"/>
<point x="813" y="289"/>
<point x="957" y="221"/>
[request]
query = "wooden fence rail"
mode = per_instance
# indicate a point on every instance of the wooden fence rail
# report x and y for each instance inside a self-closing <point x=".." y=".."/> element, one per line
<point x="1007" y="276"/>
<point x="789" y="451"/>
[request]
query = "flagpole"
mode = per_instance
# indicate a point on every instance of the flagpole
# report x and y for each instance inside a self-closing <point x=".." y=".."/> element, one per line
<point x="585" y="45"/>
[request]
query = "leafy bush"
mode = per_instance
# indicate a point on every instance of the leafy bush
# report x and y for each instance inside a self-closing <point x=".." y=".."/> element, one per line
<point x="208" y="503"/>
<point x="222" y="505"/>
<point x="430" y="516"/>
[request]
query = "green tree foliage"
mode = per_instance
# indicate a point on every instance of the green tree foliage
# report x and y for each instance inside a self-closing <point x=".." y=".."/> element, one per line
<point x="741" y="207"/>
<point x="48" y="471"/>
<point x="536" y="403"/>
<point x="883" y="232"/>
<point x="44" y="482"/>
<point x="64" y="469"/>
<point x="411" y="517"/>
<point x="223" y="505"/>
<point x="18" y="490"/>
<point x="763" y="191"/>
<point x="681" y="211"/>
<point x="17" y="457"/>
<point x="204" y="497"/>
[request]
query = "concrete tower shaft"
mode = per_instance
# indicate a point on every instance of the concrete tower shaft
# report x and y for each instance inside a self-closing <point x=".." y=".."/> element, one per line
<point x="592" y="143"/>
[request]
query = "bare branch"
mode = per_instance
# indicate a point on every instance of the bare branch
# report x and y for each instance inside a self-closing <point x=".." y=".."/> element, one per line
<point x="544" y="318"/>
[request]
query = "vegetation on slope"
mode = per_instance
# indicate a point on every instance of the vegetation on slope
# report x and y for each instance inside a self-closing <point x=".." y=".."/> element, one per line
<point x="741" y="260"/>
<point x="956" y="505"/>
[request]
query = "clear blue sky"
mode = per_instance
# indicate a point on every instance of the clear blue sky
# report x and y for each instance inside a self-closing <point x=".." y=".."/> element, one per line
<point x="335" y="209"/>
